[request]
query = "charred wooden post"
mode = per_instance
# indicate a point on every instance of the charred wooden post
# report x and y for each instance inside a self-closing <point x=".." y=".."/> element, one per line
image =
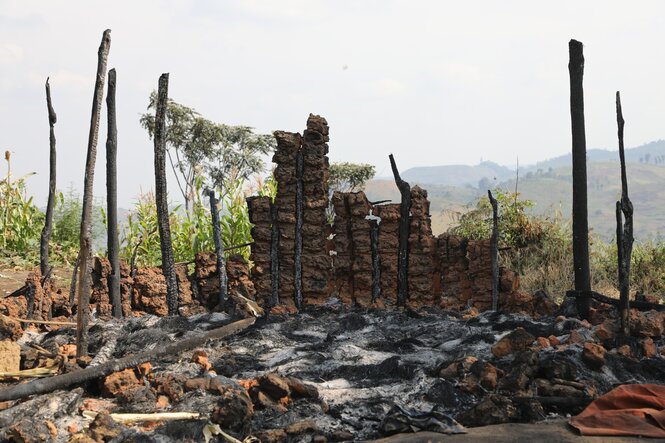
<point x="48" y="222"/>
<point x="72" y="285"/>
<point x="85" y="258"/>
<point x="494" y="245"/>
<point x="297" y="276"/>
<point x="580" y="211"/>
<point x="113" y="244"/>
<point x="168" y="263"/>
<point x="376" y="257"/>
<point x="624" y="231"/>
<point x="219" y="249"/>
<point x="274" y="256"/>
<point x="404" y="224"/>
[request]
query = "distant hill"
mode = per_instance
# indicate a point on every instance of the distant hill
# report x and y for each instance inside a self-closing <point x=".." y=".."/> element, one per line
<point x="458" y="175"/>
<point x="453" y="189"/>
<point x="650" y="153"/>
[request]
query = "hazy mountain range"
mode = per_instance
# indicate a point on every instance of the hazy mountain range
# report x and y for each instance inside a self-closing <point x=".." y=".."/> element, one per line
<point x="453" y="188"/>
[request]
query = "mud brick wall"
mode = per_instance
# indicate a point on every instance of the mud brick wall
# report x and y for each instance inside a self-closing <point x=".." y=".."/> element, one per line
<point x="315" y="258"/>
<point x="259" y="214"/>
<point x="288" y="145"/>
<point x="388" y="250"/>
<point x="207" y="280"/>
<point x="316" y="261"/>
<point x="423" y="283"/>
<point x="353" y="259"/>
<point x="466" y="270"/>
<point x="447" y="270"/>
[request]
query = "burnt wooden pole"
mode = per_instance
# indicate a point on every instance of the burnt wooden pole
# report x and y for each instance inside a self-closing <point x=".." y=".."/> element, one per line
<point x="274" y="255"/>
<point x="48" y="223"/>
<point x="376" y="257"/>
<point x="580" y="211"/>
<point x="404" y="227"/>
<point x="297" y="265"/>
<point x="494" y="247"/>
<point x="85" y="253"/>
<point x="624" y="231"/>
<point x="113" y="244"/>
<point x="219" y="250"/>
<point x="161" y="197"/>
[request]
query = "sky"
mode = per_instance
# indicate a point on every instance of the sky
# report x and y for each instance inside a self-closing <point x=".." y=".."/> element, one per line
<point x="433" y="82"/>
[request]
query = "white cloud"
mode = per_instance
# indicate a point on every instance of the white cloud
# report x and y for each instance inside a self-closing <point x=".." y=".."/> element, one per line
<point x="388" y="87"/>
<point x="10" y="53"/>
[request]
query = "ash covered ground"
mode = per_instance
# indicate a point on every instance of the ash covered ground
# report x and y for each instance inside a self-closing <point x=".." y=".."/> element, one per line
<point x="334" y="373"/>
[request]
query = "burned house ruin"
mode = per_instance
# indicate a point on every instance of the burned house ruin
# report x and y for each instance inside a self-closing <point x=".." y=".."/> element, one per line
<point x="300" y="259"/>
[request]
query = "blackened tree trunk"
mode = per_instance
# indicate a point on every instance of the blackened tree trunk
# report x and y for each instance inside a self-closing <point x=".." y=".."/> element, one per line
<point x="85" y="281"/>
<point x="113" y="243"/>
<point x="494" y="247"/>
<point x="48" y="223"/>
<point x="168" y="264"/>
<point x="624" y="231"/>
<point x="219" y="250"/>
<point x="580" y="211"/>
<point x="404" y="228"/>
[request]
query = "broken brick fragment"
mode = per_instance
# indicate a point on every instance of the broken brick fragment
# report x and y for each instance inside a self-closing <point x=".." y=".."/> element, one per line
<point x="120" y="381"/>
<point x="517" y="340"/>
<point x="200" y="357"/>
<point x="274" y="385"/>
<point x="593" y="355"/>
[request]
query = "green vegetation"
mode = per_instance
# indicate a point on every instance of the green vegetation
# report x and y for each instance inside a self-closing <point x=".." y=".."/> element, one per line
<point x="202" y="152"/>
<point x="350" y="177"/>
<point x="539" y="248"/>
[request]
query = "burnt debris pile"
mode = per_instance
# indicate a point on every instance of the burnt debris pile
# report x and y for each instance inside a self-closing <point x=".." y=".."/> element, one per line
<point x="333" y="373"/>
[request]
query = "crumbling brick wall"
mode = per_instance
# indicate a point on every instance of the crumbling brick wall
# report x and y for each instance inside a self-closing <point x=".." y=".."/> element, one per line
<point x="448" y="271"/>
<point x="315" y="261"/>
<point x="353" y="250"/>
<point x="466" y="270"/>
<point x="259" y="209"/>
<point x="423" y="282"/>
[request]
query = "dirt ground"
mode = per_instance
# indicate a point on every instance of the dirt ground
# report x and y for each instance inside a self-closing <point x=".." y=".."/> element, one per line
<point x="555" y="431"/>
<point x="12" y="279"/>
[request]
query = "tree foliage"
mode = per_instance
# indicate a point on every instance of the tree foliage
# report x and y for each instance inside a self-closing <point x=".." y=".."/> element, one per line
<point x="350" y="177"/>
<point x="197" y="147"/>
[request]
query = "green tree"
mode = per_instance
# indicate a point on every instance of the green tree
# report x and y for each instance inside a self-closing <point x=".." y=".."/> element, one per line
<point x="199" y="148"/>
<point x="350" y="177"/>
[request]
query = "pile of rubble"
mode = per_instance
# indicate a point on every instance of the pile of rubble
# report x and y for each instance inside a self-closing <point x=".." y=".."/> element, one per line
<point x="335" y="373"/>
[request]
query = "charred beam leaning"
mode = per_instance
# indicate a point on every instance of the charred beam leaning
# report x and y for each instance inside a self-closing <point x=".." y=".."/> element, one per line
<point x="624" y="231"/>
<point x="297" y="259"/>
<point x="580" y="210"/>
<point x="168" y="263"/>
<point x="494" y="245"/>
<point x="219" y="249"/>
<point x="85" y="253"/>
<point x="404" y="228"/>
<point x="113" y="244"/>
<point x="48" y="222"/>
<point x="274" y="256"/>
